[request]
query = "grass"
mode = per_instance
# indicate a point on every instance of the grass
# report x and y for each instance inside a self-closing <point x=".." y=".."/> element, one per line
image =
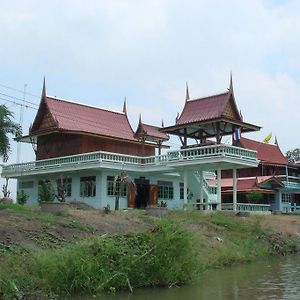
<point x="30" y="212"/>
<point x="176" y="251"/>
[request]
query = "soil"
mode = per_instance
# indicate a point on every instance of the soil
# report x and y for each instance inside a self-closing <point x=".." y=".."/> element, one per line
<point x="27" y="231"/>
<point x="21" y="231"/>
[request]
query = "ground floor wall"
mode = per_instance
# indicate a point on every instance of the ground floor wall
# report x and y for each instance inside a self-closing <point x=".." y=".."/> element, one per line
<point x="95" y="188"/>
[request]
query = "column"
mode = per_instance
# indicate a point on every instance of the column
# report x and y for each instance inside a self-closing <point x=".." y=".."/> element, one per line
<point x="234" y="195"/>
<point x="219" y="195"/>
<point x="280" y="200"/>
<point x="201" y="189"/>
<point x="185" y="200"/>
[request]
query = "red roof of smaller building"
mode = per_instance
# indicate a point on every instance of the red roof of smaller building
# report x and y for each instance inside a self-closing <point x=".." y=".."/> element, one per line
<point x="151" y="131"/>
<point x="265" y="152"/>
<point x="245" y="183"/>
<point x="71" y="116"/>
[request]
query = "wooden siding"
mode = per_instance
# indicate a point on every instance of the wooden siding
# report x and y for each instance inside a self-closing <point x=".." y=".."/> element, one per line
<point x="63" y="144"/>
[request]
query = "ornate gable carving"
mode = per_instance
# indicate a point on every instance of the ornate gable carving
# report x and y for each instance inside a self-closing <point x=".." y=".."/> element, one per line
<point x="230" y="110"/>
<point x="47" y="121"/>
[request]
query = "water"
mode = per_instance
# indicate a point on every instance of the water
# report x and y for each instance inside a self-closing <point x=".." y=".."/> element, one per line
<point x="270" y="279"/>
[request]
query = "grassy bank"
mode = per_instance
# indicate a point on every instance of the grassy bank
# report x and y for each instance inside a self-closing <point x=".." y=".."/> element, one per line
<point x="176" y="250"/>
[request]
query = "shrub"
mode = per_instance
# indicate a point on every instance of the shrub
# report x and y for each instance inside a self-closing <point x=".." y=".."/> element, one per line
<point x="22" y="197"/>
<point x="45" y="192"/>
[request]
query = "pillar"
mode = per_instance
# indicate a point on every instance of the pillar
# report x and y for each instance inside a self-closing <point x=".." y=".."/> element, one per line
<point x="201" y="189"/>
<point x="185" y="195"/>
<point x="219" y="195"/>
<point x="234" y="195"/>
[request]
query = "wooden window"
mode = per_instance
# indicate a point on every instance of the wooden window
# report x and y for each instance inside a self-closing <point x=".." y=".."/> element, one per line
<point x="26" y="185"/>
<point x="110" y="187"/>
<point x="165" y="190"/>
<point x="181" y="190"/>
<point x="88" y="186"/>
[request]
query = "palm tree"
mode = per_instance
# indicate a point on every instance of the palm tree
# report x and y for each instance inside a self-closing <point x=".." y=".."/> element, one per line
<point x="7" y="126"/>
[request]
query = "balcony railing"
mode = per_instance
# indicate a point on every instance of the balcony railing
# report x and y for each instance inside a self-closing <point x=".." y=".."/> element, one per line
<point x="246" y="207"/>
<point x="100" y="156"/>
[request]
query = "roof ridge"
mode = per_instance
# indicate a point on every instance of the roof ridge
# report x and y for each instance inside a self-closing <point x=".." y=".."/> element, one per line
<point x="206" y="97"/>
<point x="262" y="143"/>
<point x="85" y="105"/>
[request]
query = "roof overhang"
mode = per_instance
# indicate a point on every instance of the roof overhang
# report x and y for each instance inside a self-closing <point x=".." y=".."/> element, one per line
<point x="208" y="128"/>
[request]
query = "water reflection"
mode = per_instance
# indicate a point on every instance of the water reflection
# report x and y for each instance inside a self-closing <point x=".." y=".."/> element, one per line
<point x="270" y="279"/>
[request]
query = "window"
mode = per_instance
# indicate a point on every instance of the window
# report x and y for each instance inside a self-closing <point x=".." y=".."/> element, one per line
<point x="64" y="185"/>
<point x="165" y="189"/>
<point x="110" y="187"/>
<point x="287" y="197"/>
<point x="26" y="185"/>
<point x="181" y="190"/>
<point x="88" y="186"/>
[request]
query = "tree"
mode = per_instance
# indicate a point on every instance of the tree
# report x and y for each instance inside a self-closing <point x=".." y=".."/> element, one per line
<point x="293" y="155"/>
<point x="7" y="126"/>
<point x="254" y="197"/>
<point x="121" y="183"/>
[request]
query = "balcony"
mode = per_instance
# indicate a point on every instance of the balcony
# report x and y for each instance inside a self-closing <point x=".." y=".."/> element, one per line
<point x="207" y="156"/>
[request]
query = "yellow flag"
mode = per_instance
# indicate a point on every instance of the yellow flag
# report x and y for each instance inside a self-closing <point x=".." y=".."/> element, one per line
<point x="267" y="138"/>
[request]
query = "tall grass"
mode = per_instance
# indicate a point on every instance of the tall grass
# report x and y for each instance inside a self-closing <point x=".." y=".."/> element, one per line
<point x="175" y="252"/>
<point x="164" y="257"/>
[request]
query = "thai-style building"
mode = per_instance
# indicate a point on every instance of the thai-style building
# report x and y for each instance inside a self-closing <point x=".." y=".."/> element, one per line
<point x="86" y="147"/>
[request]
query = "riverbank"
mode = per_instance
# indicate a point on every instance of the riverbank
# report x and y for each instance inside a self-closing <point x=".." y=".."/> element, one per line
<point x="92" y="252"/>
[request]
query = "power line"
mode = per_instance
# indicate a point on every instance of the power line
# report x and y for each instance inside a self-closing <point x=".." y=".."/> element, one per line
<point x="19" y="99"/>
<point x="17" y="90"/>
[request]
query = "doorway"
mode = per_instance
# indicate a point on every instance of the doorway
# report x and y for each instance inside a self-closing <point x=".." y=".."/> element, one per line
<point x="142" y="192"/>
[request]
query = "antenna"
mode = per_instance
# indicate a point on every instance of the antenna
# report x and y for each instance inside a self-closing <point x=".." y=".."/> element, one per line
<point x="21" y="122"/>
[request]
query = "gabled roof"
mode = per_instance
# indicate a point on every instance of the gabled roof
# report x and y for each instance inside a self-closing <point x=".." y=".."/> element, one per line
<point x="203" y="117"/>
<point x="249" y="183"/>
<point x="265" y="152"/>
<point x="150" y="132"/>
<point x="209" y="108"/>
<point x="61" y="115"/>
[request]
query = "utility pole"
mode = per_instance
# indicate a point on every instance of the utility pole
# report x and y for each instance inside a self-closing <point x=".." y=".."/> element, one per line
<point x="21" y="122"/>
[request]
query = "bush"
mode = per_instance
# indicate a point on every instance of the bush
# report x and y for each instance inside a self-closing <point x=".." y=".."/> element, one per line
<point x="45" y="192"/>
<point x="22" y="197"/>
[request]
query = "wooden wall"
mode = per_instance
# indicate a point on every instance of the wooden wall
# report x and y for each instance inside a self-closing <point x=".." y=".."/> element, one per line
<point x="63" y="144"/>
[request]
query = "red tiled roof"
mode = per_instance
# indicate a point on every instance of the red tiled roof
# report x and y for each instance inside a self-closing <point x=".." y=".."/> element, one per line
<point x="76" y="117"/>
<point x="203" y="109"/>
<point x="265" y="152"/>
<point x="244" y="183"/>
<point x="153" y="131"/>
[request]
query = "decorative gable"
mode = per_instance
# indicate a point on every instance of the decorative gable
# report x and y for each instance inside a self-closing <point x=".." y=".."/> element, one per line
<point x="230" y="110"/>
<point x="47" y="122"/>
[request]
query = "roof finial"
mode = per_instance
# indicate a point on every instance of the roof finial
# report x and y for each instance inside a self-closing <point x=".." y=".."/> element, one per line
<point x="241" y="115"/>
<point x="230" y="84"/>
<point x="187" y="94"/>
<point x="140" y="119"/>
<point x="44" y="89"/>
<point x="276" y="142"/>
<point x="177" y="116"/>
<point x="125" y="106"/>
<point x="162" y="123"/>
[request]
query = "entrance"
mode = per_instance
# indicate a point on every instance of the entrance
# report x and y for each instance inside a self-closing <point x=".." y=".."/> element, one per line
<point x="142" y="192"/>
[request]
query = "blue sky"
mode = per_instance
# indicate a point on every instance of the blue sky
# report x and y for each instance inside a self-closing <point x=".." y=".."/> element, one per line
<point x="98" y="52"/>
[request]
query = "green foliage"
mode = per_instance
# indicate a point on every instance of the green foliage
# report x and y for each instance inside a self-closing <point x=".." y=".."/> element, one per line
<point x="7" y="126"/>
<point x="293" y="155"/>
<point x="254" y="197"/>
<point x="163" y="257"/>
<point x="45" y="192"/>
<point x="176" y="250"/>
<point x="22" y="197"/>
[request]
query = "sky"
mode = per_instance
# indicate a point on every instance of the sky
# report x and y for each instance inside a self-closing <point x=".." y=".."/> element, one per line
<point x="99" y="52"/>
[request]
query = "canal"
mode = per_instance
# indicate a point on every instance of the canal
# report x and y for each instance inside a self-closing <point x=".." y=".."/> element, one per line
<point x="270" y="279"/>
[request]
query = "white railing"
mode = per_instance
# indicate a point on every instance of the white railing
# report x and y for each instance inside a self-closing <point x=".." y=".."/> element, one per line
<point x="289" y="208"/>
<point x="101" y="156"/>
<point x="246" y="207"/>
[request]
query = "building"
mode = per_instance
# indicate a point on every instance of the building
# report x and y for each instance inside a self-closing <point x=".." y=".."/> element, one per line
<point x="86" y="147"/>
